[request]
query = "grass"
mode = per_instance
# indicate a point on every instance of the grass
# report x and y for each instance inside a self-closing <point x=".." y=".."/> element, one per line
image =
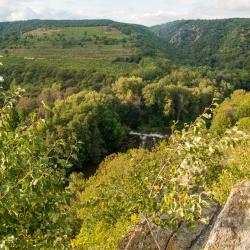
<point x="71" y="37"/>
<point x="72" y="42"/>
<point x="99" y="64"/>
<point x="104" y="52"/>
<point x="86" y="49"/>
<point x="79" y="32"/>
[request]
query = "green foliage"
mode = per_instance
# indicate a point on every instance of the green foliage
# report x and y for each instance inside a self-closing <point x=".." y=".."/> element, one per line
<point x="192" y="161"/>
<point x="152" y="68"/>
<point x="231" y="111"/>
<point x="91" y="118"/>
<point x="218" y="43"/>
<point x="99" y="238"/>
<point x="34" y="207"/>
<point x="129" y="90"/>
<point x="114" y="197"/>
<point x="99" y="55"/>
<point x="235" y="170"/>
<point x="88" y="82"/>
<point x="244" y="124"/>
<point x="234" y="110"/>
<point x="167" y="185"/>
<point x="181" y="95"/>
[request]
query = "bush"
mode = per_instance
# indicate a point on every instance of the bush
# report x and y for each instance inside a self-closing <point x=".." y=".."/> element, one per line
<point x="244" y="124"/>
<point x="231" y="110"/>
<point x="169" y="180"/>
<point x="34" y="210"/>
<point x="112" y="199"/>
<point x="235" y="170"/>
<point x="90" y="117"/>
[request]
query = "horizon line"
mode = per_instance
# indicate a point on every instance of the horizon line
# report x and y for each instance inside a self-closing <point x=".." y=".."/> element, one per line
<point x="112" y="20"/>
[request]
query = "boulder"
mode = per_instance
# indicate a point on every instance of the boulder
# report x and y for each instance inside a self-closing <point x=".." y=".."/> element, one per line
<point x="232" y="227"/>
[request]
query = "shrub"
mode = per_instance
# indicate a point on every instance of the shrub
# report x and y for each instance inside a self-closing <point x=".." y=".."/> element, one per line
<point x="173" y="180"/>
<point x="231" y="110"/>
<point x="34" y="211"/>
<point x="244" y="124"/>
<point x="235" y="170"/>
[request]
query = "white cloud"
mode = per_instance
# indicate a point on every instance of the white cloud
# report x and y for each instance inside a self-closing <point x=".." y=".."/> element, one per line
<point x="235" y="5"/>
<point x="151" y="18"/>
<point x="147" y="13"/>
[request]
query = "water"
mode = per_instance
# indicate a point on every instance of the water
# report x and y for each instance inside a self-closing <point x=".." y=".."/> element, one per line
<point x="134" y="140"/>
<point x="146" y="140"/>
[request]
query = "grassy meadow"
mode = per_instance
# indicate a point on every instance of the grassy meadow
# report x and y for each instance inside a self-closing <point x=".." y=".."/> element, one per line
<point x="72" y="47"/>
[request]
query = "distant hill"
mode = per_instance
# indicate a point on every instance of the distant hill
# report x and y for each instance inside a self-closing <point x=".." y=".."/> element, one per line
<point x="106" y="45"/>
<point x="93" y="52"/>
<point x="222" y="43"/>
<point x="24" y="26"/>
<point x="102" y="45"/>
<point x="11" y="32"/>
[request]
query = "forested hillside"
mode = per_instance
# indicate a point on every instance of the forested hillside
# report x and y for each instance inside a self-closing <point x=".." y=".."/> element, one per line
<point x="72" y="92"/>
<point x="125" y="68"/>
<point x="88" y="53"/>
<point x="218" y="43"/>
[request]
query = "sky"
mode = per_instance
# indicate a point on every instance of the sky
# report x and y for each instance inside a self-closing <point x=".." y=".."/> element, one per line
<point x="146" y="12"/>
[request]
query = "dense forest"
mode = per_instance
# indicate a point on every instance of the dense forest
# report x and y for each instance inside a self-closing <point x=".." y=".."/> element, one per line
<point x="217" y="43"/>
<point x="71" y="93"/>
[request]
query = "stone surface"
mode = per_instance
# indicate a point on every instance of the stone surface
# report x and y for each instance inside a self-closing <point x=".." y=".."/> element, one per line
<point x="228" y="229"/>
<point x="232" y="228"/>
<point x="194" y="240"/>
<point x="142" y="238"/>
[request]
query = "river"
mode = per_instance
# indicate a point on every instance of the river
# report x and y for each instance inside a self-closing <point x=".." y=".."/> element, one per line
<point x="134" y="140"/>
<point x="142" y="140"/>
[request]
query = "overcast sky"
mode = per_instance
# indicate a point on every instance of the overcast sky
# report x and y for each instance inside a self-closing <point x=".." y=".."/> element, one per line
<point x="147" y="12"/>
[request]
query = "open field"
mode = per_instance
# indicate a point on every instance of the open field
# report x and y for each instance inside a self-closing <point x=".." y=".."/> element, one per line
<point x="103" y="52"/>
<point x="78" y="32"/>
<point x="72" y="37"/>
<point x="93" y="64"/>
<point x="72" y="47"/>
<point x="101" y="48"/>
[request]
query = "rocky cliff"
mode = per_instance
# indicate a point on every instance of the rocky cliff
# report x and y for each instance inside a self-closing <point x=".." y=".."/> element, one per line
<point x="227" y="229"/>
<point x="232" y="227"/>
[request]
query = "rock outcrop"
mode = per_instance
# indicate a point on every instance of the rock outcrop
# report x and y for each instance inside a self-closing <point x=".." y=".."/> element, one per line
<point x="232" y="227"/>
<point x="228" y="229"/>
<point x="148" y="236"/>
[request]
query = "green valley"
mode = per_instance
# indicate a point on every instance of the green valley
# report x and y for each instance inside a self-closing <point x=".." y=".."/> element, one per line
<point x="217" y="43"/>
<point x="73" y="92"/>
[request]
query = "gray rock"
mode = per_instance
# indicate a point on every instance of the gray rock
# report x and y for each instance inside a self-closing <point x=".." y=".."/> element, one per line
<point x="226" y="230"/>
<point x="155" y="238"/>
<point x="232" y="228"/>
<point x="141" y="237"/>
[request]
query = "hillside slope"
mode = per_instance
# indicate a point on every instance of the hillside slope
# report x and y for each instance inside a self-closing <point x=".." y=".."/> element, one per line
<point x="223" y="43"/>
<point x="102" y="46"/>
<point x="12" y="33"/>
